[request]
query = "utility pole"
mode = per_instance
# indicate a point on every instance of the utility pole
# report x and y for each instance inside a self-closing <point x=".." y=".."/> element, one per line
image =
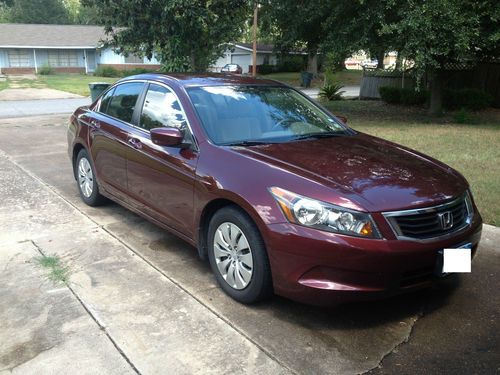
<point x="254" y="51"/>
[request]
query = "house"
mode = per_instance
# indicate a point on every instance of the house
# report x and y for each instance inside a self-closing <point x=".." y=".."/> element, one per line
<point x="241" y="54"/>
<point x="25" y="48"/>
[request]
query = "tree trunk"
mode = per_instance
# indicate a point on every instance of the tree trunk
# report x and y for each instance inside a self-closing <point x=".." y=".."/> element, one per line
<point x="436" y="100"/>
<point x="399" y="62"/>
<point x="193" y="62"/>
<point x="380" y="59"/>
<point x="312" y="62"/>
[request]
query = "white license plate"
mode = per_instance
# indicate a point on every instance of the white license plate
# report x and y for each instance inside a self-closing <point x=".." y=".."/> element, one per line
<point x="456" y="260"/>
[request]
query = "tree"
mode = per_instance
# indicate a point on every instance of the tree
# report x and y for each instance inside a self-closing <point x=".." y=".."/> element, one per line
<point x="297" y="25"/>
<point x="34" y="11"/>
<point x="185" y="34"/>
<point x="437" y="33"/>
<point x="357" y="25"/>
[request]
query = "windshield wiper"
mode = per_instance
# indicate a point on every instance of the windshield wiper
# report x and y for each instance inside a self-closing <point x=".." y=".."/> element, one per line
<point x="318" y="136"/>
<point x="247" y="143"/>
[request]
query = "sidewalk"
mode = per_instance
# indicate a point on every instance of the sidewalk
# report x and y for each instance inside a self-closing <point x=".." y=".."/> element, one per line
<point x="22" y="108"/>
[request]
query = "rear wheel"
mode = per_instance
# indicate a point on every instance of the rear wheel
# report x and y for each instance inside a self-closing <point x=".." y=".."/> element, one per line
<point x="86" y="181"/>
<point x="238" y="257"/>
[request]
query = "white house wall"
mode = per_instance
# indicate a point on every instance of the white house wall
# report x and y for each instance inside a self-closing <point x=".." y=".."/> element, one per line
<point x="108" y="56"/>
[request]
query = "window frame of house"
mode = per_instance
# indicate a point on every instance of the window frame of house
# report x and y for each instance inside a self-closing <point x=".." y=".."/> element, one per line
<point x="19" y="58"/>
<point x="62" y="58"/>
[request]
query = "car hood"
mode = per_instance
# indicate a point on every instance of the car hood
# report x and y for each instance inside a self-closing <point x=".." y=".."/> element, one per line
<point x="381" y="175"/>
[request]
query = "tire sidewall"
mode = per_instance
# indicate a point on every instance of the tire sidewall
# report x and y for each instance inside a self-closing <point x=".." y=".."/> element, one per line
<point x="95" y="198"/>
<point x="260" y="285"/>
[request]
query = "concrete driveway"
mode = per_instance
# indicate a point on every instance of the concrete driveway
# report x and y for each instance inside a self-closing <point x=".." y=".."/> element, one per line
<point x="138" y="300"/>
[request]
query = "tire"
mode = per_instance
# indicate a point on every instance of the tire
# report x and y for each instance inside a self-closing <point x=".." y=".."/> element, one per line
<point x="237" y="263"/>
<point x="86" y="180"/>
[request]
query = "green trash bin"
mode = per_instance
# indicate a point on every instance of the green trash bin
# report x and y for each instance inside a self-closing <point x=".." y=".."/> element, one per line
<point x="96" y="89"/>
<point x="306" y="79"/>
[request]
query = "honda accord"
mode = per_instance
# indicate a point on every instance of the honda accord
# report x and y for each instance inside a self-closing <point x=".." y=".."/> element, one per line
<point x="279" y="194"/>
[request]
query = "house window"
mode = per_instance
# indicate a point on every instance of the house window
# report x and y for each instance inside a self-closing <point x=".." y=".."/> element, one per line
<point x="61" y="58"/>
<point x="133" y="59"/>
<point x="19" y="58"/>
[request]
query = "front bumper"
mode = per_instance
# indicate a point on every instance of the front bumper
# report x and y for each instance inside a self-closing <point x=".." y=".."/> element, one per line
<point x="322" y="268"/>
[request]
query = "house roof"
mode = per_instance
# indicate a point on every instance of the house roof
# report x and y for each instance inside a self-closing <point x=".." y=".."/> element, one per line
<point x="262" y="48"/>
<point x="20" y="35"/>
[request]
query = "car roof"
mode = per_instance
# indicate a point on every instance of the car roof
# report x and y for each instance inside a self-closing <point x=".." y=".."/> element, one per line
<point x="205" y="79"/>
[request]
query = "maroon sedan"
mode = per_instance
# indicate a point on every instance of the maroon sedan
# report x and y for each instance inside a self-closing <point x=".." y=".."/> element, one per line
<point x="280" y="195"/>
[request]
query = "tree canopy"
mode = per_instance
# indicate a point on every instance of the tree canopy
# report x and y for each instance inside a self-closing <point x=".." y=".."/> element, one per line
<point x="34" y="11"/>
<point x="185" y="34"/>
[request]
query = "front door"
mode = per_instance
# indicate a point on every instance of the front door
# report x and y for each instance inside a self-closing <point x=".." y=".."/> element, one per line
<point x="162" y="178"/>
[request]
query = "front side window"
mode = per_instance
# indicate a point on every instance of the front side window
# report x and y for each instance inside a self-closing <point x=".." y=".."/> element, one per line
<point x="161" y="108"/>
<point x="122" y="102"/>
<point x="266" y="114"/>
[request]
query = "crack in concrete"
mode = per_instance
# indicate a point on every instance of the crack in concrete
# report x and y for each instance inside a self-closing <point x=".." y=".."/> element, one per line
<point x="405" y="339"/>
<point x="101" y="326"/>
<point x="172" y="280"/>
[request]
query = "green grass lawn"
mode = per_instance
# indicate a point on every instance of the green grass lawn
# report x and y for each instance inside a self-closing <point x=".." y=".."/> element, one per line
<point x="344" y="77"/>
<point x="75" y="83"/>
<point x="472" y="149"/>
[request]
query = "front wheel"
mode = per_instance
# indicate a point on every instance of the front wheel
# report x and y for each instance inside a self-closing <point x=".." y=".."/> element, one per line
<point x="238" y="256"/>
<point x="86" y="181"/>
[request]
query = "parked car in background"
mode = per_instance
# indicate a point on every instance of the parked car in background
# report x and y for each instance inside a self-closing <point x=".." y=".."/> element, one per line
<point x="232" y="68"/>
<point x="371" y="64"/>
<point x="279" y="194"/>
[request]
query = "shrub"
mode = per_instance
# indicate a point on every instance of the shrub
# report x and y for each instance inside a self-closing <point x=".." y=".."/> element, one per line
<point x="462" y="117"/>
<point x="135" y="71"/>
<point x="291" y="64"/>
<point x="390" y="94"/>
<point x="45" y="70"/>
<point x="472" y="99"/>
<point x="107" y="71"/>
<point x="331" y="92"/>
<point x="266" y="69"/>
<point x="398" y="95"/>
<point x="413" y="97"/>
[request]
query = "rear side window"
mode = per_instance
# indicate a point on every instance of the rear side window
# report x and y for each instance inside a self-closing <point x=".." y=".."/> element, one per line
<point x="123" y="101"/>
<point x="161" y="108"/>
<point x="103" y="107"/>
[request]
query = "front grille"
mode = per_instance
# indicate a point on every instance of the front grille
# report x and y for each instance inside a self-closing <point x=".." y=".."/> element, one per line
<point x="431" y="222"/>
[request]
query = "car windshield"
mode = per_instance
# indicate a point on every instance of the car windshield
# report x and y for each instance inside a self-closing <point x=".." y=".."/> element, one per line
<point x="247" y="115"/>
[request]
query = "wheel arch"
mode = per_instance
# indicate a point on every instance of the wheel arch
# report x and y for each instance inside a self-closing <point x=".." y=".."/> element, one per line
<point x="207" y="213"/>
<point x="76" y="150"/>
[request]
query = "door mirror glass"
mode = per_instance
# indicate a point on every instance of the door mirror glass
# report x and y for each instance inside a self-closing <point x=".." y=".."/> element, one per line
<point x="166" y="137"/>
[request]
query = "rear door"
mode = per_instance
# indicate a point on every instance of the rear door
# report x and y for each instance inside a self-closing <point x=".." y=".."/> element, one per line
<point x="108" y="135"/>
<point x="161" y="178"/>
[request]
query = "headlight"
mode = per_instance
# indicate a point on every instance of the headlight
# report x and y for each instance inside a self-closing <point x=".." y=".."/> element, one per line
<point x="324" y="216"/>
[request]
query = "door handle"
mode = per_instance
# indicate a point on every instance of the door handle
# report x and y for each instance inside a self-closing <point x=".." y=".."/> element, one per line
<point x="135" y="143"/>
<point x="95" y="124"/>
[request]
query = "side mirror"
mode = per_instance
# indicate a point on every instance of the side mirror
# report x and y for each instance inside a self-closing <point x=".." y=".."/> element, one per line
<point x="342" y="118"/>
<point x="166" y="137"/>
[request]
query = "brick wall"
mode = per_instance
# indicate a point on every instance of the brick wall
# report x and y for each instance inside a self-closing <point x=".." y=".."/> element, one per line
<point x="18" y="70"/>
<point x="32" y="70"/>
<point x="131" y="66"/>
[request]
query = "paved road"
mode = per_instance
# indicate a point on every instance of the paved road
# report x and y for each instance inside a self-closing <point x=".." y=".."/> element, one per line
<point x="139" y="299"/>
<point x="21" y="108"/>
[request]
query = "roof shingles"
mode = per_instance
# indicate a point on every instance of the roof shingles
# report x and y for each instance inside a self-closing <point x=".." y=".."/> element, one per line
<point x="55" y="36"/>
